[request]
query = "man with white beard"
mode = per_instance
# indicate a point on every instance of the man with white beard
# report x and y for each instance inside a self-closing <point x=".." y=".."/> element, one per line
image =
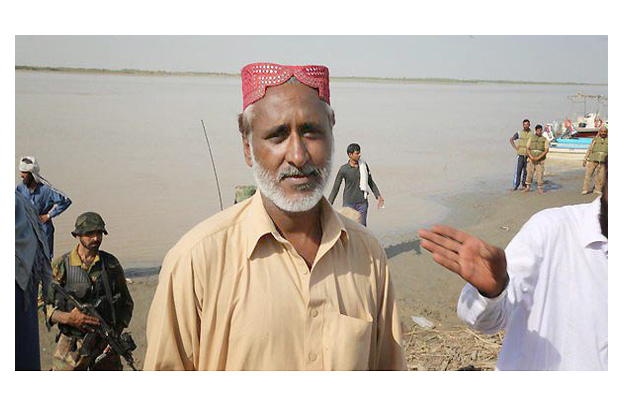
<point x="279" y="281"/>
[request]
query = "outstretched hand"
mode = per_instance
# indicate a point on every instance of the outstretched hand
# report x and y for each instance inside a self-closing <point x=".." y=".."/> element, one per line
<point x="480" y="264"/>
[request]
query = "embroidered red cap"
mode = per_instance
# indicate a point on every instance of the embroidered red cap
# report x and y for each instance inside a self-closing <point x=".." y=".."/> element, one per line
<point x="256" y="77"/>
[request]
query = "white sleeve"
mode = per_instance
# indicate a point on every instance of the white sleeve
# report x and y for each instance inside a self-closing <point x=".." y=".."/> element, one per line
<point x="488" y="315"/>
<point x="524" y="256"/>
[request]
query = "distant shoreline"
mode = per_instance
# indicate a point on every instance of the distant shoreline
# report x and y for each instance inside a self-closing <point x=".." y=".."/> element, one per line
<point x="141" y="72"/>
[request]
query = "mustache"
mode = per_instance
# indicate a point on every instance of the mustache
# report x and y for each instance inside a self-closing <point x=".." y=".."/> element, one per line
<point x="306" y="170"/>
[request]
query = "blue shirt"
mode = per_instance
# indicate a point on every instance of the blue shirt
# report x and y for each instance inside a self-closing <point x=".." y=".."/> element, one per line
<point x="46" y="200"/>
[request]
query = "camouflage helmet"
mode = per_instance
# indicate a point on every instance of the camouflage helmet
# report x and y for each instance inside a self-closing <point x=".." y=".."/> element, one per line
<point x="243" y="192"/>
<point x="89" y="222"/>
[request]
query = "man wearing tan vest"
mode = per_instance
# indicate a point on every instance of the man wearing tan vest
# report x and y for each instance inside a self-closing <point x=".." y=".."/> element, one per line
<point x="537" y="149"/>
<point x="595" y="160"/>
<point x="521" y="161"/>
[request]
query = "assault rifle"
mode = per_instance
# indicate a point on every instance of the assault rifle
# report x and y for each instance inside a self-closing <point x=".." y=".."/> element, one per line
<point x="122" y="344"/>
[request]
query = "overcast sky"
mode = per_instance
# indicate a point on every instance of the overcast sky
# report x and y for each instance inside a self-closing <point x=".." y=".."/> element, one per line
<point x="520" y="58"/>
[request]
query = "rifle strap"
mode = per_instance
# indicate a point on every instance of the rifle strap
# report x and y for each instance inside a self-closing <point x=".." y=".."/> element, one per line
<point x="66" y="270"/>
<point x="66" y="261"/>
<point x="107" y="289"/>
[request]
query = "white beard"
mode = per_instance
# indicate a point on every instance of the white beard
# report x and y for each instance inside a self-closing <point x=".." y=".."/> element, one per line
<point x="302" y="202"/>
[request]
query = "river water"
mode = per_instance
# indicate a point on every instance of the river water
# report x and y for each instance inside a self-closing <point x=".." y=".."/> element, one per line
<point x="132" y="147"/>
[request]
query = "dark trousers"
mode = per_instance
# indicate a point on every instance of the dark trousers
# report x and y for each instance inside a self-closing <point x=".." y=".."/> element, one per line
<point x="360" y="208"/>
<point x="521" y="169"/>
<point x="49" y="230"/>
<point x="26" y="330"/>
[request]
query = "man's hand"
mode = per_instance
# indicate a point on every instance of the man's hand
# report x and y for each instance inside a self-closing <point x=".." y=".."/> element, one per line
<point x="380" y="202"/>
<point x="44" y="218"/>
<point x="480" y="264"/>
<point x="80" y="320"/>
<point x="584" y="163"/>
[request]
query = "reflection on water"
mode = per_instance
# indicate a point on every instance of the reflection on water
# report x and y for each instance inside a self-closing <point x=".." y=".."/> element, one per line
<point x="132" y="147"/>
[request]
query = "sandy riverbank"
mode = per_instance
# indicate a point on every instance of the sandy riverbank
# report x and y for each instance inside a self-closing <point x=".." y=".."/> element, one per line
<point x="422" y="287"/>
<point x="425" y="289"/>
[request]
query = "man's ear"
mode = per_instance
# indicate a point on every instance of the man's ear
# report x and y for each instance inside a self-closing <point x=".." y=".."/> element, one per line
<point x="247" y="151"/>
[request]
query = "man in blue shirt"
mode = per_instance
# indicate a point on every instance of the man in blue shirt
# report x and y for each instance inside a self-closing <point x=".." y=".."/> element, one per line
<point x="48" y="201"/>
<point x="521" y="162"/>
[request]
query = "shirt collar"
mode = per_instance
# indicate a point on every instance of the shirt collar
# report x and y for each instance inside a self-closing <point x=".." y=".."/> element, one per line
<point x="75" y="261"/>
<point x="591" y="229"/>
<point x="35" y="190"/>
<point x="260" y="224"/>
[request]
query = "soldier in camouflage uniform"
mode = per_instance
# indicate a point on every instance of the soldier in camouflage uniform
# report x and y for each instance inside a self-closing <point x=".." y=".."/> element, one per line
<point x="91" y="275"/>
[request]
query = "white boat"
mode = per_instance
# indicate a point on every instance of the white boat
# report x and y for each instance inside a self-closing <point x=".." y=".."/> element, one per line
<point x="571" y="139"/>
<point x="568" y="147"/>
<point x="586" y="125"/>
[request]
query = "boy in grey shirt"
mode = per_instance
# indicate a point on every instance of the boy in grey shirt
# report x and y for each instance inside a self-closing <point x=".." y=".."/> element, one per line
<point x="354" y="196"/>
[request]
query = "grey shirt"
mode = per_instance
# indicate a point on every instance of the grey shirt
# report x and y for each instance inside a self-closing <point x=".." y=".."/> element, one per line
<point x="352" y="192"/>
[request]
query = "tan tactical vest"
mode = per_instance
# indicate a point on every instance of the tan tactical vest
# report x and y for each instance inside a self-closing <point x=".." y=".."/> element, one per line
<point x="523" y="137"/>
<point x="599" y="150"/>
<point x="537" y="145"/>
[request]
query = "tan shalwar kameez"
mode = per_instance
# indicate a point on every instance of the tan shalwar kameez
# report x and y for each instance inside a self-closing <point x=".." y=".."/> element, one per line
<point x="235" y="295"/>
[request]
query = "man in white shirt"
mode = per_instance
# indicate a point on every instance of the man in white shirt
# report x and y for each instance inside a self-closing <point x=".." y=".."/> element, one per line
<point x="548" y="289"/>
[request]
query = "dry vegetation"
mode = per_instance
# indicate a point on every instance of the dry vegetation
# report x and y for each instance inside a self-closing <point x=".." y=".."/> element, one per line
<point x="456" y="349"/>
